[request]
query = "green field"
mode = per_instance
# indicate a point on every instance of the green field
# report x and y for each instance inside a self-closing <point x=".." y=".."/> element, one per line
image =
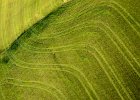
<point x="83" y="50"/>
<point x="18" y="15"/>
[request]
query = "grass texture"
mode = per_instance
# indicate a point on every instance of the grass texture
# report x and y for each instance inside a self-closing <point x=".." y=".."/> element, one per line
<point x="18" y="15"/>
<point x="84" y="50"/>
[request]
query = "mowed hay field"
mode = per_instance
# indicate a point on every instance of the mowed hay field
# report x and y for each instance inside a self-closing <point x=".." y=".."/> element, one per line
<point x="18" y="15"/>
<point x="84" y="50"/>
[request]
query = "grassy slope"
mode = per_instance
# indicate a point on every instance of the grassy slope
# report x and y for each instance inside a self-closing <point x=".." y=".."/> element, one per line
<point x="18" y="15"/>
<point x="84" y="50"/>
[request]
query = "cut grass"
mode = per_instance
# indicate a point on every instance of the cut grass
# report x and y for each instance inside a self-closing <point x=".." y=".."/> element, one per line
<point x="18" y="15"/>
<point x="84" y="50"/>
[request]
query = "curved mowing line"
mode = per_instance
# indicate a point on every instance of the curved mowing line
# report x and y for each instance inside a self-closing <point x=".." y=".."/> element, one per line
<point x="35" y="87"/>
<point x="69" y="68"/>
<point x="106" y="71"/>
<point x="75" y="28"/>
<point x="118" y="38"/>
<point x="18" y="61"/>
<point x="107" y="74"/>
<point x="125" y="57"/>
<point x="121" y="13"/>
<point x="87" y="84"/>
<point x="112" y="4"/>
<point x="118" y="47"/>
<point x="114" y="43"/>
<point x="78" y="5"/>
<point x="109" y="66"/>
<point x="85" y="44"/>
<point x="35" y="68"/>
<point x="123" y="44"/>
<point x="125" y="11"/>
<point x="30" y="47"/>
<point x="69" y="28"/>
<point x="131" y="55"/>
<point x="126" y="19"/>
<point x="69" y="31"/>
<point x="41" y="84"/>
<point x="131" y="16"/>
<point x="6" y="41"/>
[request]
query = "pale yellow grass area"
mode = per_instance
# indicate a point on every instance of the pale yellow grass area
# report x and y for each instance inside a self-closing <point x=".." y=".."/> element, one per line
<point x="18" y="15"/>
